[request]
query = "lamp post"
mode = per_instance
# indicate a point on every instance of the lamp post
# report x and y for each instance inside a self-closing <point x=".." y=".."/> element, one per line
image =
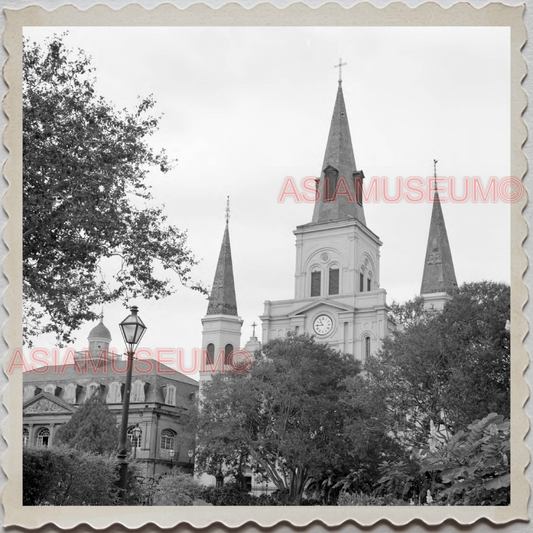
<point x="190" y="453"/>
<point x="136" y="438"/>
<point x="132" y="329"/>
<point x="171" y="453"/>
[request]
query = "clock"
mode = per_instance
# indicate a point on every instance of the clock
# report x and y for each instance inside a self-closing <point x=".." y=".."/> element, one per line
<point x="322" y="325"/>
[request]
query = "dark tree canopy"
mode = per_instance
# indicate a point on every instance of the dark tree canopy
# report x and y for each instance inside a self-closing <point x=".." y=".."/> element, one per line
<point x="86" y="204"/>
<point x="285" y="415"/>
<point x="451" y="367"/>
<point x="92" y="428"/>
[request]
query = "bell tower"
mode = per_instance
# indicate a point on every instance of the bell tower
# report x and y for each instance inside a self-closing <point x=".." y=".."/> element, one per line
<point x="337" y="296"/>
<point x="221" y="326"/>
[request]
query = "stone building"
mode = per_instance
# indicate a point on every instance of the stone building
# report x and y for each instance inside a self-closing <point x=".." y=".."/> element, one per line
<point x="160" y="402"/>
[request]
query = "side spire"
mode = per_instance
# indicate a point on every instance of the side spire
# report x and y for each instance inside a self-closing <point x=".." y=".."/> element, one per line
<point x="340" y="183"/>
<point x="223" y="300"/>
<point x="439" y="272"/>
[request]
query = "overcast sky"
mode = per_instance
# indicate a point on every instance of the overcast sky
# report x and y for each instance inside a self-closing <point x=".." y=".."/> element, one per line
<point x="245" y="108"/>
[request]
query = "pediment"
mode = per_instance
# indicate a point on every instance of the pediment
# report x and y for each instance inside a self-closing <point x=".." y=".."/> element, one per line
<point x="322" y="302"/>
<point x="46" y="403"/>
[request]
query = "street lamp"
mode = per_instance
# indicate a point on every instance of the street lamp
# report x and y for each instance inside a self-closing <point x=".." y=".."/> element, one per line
<point x="136" y="438"/>
<point x="171" y="453"/>
<point x="190" y="453"/>
<point x="132" y="329"/>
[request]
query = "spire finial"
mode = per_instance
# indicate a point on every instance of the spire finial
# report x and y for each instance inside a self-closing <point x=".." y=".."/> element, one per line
<point x="253" y="326"/>
<point x="339" y="66"/>
<point x="435" y="173"/>
<point x="102" y="315"/>
<point x="227" y="211"/>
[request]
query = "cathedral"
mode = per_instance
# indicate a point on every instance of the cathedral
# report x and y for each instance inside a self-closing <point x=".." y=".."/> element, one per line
<point x="337" y="293"/>
<point x="337" y="298"/>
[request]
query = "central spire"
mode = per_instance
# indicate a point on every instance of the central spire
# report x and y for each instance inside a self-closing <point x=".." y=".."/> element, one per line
<point x="340" y="184"/>
<point x="223" y="300"/>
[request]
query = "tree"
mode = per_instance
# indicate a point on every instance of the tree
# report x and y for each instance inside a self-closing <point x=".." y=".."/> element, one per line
<point x="445" y="368"/>
<point x="284" y="417"/>
<point x="92" y="428"/>
<point x="86" y="203"/>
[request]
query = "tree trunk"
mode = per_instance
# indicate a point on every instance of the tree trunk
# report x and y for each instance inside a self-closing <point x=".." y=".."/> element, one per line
<point x="297" y="485"/>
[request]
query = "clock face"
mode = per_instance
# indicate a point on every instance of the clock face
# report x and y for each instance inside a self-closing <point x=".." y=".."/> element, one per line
<point x="322" y="325"/>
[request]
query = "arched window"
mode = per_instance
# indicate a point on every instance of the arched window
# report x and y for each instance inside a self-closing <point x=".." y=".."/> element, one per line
<point x="361" y="281"/>
<point x="135" y="441"/>
<point x="227" y="353"/>
<point x="92" y="389"/>
<point x="170" y="395"/>
<point x="315" y="282"/>
<point x="43" y="437"/>
<point x="369" y="281"/>
<point x="137" y="392"/>
<point x="210" y="355"/>
<point x="331" y="176"/>
<point x="114" y="394"/>
<point x="50" y="389"/>
<point x="334" y="280"/>
<point x="168" y="440"/>
<point x="29" y="392"/>
<point x="25" y="436"/>
<point x="367" y="347"/>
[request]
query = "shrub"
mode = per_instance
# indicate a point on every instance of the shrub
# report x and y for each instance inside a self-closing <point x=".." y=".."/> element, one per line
<point x="177" y="488"/>
<point x="361" y="499"/>
<point x="473" y="465"/>
<point x="230" y="494"/>
<point x="62" y="476"/>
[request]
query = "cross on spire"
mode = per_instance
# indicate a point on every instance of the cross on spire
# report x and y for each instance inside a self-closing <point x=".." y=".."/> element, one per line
<point x="253" y="326"/>
<point x="227" y="211"/>
<point x="435" y="172"/>
<point x="339" y="66"/>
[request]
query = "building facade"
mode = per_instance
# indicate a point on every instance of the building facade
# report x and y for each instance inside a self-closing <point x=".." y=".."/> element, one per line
<point x="160" y="402"/>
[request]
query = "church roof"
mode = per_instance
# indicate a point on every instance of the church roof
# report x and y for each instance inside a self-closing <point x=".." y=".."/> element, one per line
<point x="100" y="332"/>
<point x="439" y="273"/>
<point x="340" y="157"/>
<point x="223" y="300"/>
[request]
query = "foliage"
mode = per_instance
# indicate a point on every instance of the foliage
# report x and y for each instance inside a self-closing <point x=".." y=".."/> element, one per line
<point x="403" y="480"/>
<point x="92" y="428"/>
<point x="228" y="494"/>
<point x="284" y="417"/>
<point x="86" y="198"/>
<point x="367" y="431"/>
<point x="449" y="367"/>
<point x="362" y="499"/>
<point x="176" y="488"/>
<point x="233" y="494"/>
<point x="474" y="465"/>
<point x="62" y="476"/>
